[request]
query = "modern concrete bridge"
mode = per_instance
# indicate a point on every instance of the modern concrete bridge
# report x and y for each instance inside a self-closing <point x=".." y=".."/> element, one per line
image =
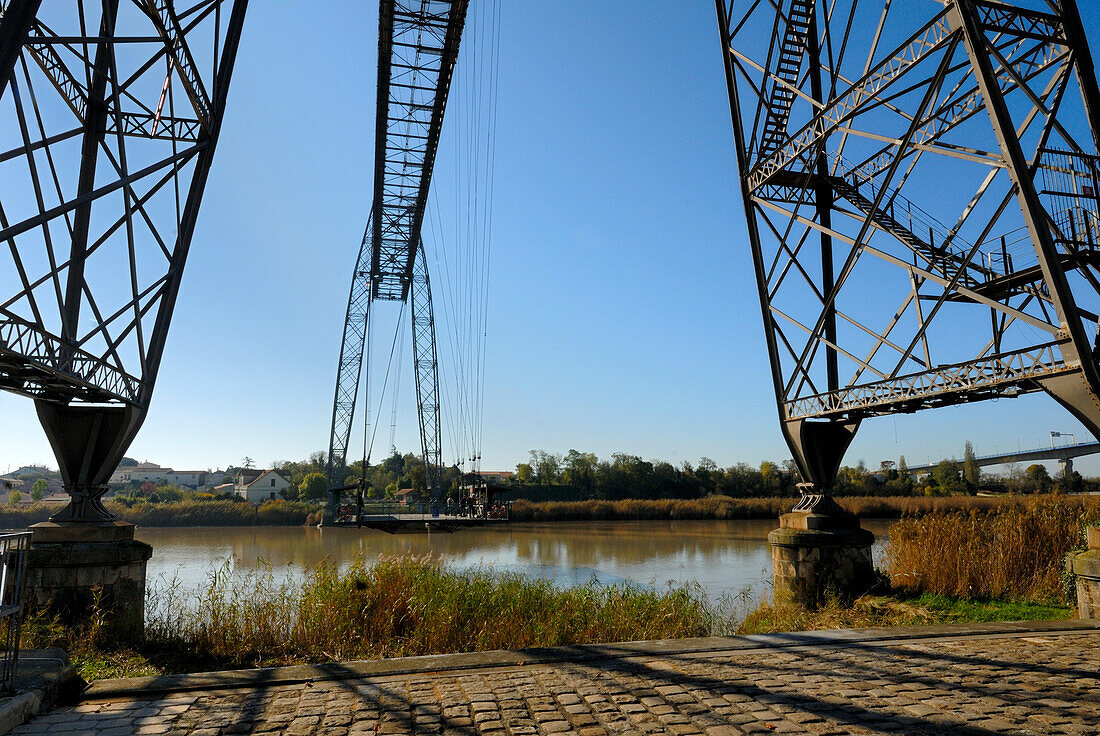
<point x="1064" y="454"/>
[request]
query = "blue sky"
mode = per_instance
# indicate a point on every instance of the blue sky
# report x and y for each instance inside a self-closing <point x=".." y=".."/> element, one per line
<point x="622" y="313"/>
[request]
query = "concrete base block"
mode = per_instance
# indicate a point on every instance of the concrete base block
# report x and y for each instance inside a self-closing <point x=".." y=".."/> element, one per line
<point x="80" y="572"/>
<point x="1086" y="566"/>
<point x="817" y="556"/>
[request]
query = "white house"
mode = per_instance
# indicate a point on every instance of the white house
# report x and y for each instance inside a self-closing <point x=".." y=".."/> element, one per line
<point x="151" y="472"/>
<point x="257" y="486"/>
<point x="193" y="479"/>
<point x="142" y="472"/>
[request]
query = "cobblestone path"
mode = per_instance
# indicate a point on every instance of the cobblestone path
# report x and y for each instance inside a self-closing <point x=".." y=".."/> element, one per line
<point x="1045" y="683"/>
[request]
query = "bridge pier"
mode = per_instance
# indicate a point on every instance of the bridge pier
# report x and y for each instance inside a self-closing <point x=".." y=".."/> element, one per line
<point x="1086" y="567"/>
<point x="819" y="551"/>
<point x="84" y="565"/>
<point x="1065" y="464"/>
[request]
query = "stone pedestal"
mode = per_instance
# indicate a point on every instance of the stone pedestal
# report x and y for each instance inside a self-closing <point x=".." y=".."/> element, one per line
<point x="818" y="556"/>
<point x="86" y="571"/>
<point x="1086" y="566"/>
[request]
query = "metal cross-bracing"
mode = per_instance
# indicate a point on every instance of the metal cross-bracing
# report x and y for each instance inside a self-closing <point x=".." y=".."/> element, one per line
<point x="111" y="112"/>
<point x="417" y="51"/>
<point x="426" y="362"/>
<point x="920" y="186"/>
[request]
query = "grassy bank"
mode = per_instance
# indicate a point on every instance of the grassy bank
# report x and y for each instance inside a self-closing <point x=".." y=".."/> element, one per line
<point x="396" y="606"/>
<point x="724" y="507"/>
<point x="896" y="610"/>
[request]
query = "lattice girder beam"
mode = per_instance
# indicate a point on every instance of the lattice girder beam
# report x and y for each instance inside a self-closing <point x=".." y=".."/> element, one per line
<point x="415" y="43"/>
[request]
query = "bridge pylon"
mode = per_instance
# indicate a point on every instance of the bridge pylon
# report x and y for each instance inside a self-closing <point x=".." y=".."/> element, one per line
<point x="920" y="198"/>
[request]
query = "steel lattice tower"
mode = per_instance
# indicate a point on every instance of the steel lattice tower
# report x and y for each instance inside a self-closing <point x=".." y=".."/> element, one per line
<point x="111" y="112"/>
<point x="920" y="189"/>
<point x="417" y="50"/>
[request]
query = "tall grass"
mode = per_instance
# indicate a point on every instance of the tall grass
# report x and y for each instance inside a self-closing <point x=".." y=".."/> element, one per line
<point x="1015" y="551"/>
<point x="724" y="507"/>
<point x="200" y="512"/>
<point x="392" y="607"/>
<point x="711" y="507"/>
<point x="189" y="512"/>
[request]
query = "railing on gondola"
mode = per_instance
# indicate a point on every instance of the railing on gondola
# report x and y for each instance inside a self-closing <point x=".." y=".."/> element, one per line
<point x="498" y="511"/>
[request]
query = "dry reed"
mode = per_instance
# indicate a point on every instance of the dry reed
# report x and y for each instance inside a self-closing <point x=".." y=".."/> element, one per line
<point x="403" y="606"/>
<point x="1015" y="551"/>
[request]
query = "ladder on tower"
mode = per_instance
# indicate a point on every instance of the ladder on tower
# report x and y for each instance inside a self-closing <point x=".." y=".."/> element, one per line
<point x="787" y="69"/>
<point x="939" y="258"/>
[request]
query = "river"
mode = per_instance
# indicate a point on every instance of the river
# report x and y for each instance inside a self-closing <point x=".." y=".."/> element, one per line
<point x="725" y="558"/>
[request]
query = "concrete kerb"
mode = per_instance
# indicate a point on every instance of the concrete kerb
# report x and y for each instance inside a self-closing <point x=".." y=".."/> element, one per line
<point x="144" y="687"/>
<point x="43" y="676"/>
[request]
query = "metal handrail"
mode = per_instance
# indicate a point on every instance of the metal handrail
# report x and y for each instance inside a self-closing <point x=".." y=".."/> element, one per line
<point x="13" y="578"/>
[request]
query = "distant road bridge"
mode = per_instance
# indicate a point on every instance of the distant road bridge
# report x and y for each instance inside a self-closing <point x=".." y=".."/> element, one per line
<point x="1064" y="454"/>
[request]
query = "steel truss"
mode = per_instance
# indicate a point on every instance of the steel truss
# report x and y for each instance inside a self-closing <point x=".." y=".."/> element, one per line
<point x="417" y="51"/>
<point x="920" y="197"/>
<point x="112" y="111"/>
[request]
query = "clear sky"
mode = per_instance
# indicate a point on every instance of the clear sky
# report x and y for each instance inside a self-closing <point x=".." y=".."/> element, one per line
<point x="622" y="313"/>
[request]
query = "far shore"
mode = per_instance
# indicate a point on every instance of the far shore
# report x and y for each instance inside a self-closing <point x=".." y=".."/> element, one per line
<point x="222" y="513"/>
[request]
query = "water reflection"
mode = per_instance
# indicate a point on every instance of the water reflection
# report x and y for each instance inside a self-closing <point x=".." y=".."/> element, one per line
<point x="723" y="557"/>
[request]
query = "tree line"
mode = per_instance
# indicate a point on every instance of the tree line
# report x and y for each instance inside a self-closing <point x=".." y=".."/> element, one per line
<point x="577" y="475"/>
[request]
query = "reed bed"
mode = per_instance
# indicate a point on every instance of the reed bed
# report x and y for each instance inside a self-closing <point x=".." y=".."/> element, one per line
<point x="205" y="512"/>
<point x="1014" y="551"/>
<point x="189" y="512"/>
<point x="391" y="607"/>
<point x="725" y="507"/>
<point x="711" y="507"/>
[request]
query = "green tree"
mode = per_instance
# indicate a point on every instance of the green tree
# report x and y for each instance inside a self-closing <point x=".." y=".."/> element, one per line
<point x="524" y="473"/>
<point x="769" y="472"/>
<point x="547" y="466"/>
<point x="38" y="490"/>
<point x="947" y="478"/>
<point x="15" y="497"/>
<point x="1037" y="479"/>
<point x="972" y="474"/>
<point x="580" y="470"/>
<point x="312" y="487"/>
<point x="248" y="462"/>
<point x="418" y="478"/>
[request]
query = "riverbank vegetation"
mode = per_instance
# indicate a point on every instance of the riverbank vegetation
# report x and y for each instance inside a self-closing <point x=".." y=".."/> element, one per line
<point x="1000" y="563"/>
<point x="197" y="510"/>
<point x="194" y="511"/>
<point x="986" y="563"/>
<point x="579" y="476"/>
<point x="898" y="609"/>
<point x="724" y="507"/>
<point x="395" y="606"/>
<point x="1014" y="552"/>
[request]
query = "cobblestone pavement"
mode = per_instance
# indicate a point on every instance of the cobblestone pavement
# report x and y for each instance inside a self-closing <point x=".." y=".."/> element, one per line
<point x="1044" y="683"/>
